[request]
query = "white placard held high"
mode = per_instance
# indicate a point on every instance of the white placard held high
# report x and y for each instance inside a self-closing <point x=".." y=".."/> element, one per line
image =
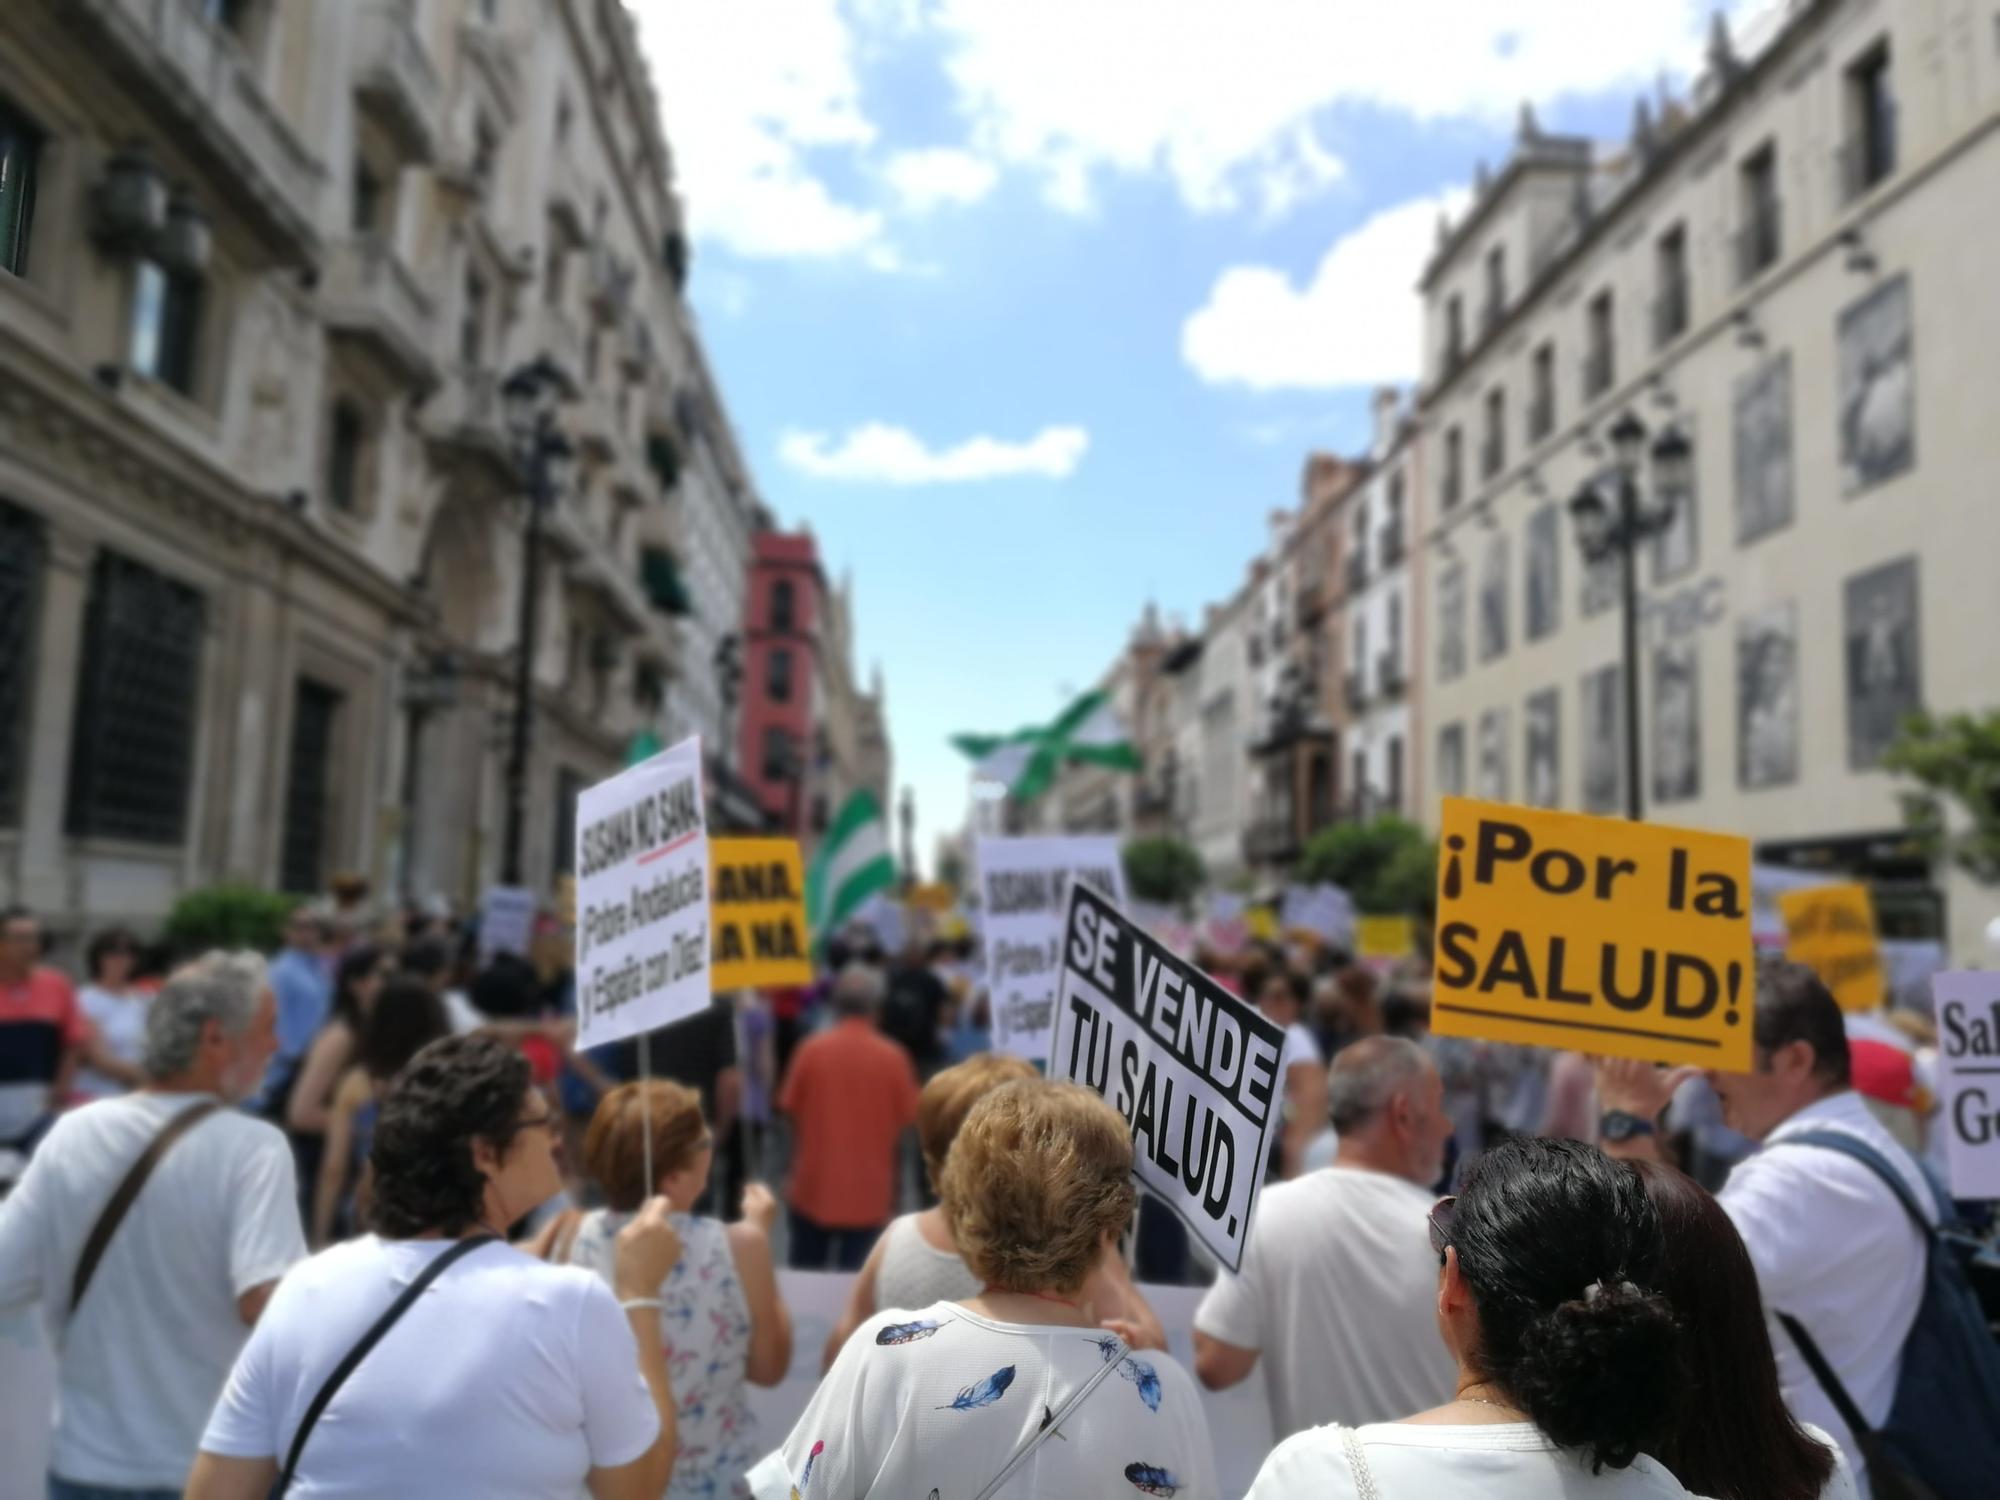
<point x="1021" y="886"/>
<point x="1968" y="1023"/>
<point x="642" y="898"/>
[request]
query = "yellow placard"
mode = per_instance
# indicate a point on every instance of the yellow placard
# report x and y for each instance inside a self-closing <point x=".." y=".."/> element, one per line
<point x="1831" y="930"/>
<point x="1384" y="937"/>
<point x="932" y="896"/>
<point x="1262" y="923"/>
<point x="1594" y="934"/>
<point x="757" y="914"/>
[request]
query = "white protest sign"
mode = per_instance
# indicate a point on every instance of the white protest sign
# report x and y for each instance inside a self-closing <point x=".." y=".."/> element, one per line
<point x="1324" y="910"/>
<point x="1021" y="885"/>
<point x="1968" y="1022"/>
<point x="506" y="921"/>
<point x="1192" y="1069"/>
<point x="641" y="898"/>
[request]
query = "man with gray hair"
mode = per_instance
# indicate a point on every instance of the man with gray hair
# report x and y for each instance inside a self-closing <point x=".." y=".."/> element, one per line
<point x="850" y="1093"/>
<point x="1338" y="1286"/>
<point x="150" y="1259"/>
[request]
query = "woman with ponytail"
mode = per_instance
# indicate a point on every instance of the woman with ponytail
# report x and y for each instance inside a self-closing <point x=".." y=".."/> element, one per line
<point x="1569" y="1359"/>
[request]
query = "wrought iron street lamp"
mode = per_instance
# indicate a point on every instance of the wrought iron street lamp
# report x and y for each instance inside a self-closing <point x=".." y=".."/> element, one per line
<point x="543" y="456"/>
<point x="1616" y="528"/>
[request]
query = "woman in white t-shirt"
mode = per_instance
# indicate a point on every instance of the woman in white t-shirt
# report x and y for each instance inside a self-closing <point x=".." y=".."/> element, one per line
<point x="117" y="1011"/>
<point x="1015" y="1380"/>
<point x="506" y="1379"/>
<point x="916" y="1261"/>
<point x="1282" y="999"/>
<point x="1550" y="1260"/>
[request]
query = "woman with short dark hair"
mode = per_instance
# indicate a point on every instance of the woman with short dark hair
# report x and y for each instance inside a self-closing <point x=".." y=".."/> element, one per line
<point x="503" y="1377"/>
<point x="1732" y="1437"/>
<point x="116" y="1004"/>
<point x="1568" y="1355"/>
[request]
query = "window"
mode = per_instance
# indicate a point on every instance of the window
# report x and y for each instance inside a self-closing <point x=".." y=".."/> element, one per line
<point x="783" y="603"/>
<point x="366" y="213"/>
<point x="472" y="323"/>
<point x="1758" y="243"/>
<point x="778" y="758"/>
<point x="166" y="322"/>
<point x="133" y="747"/>
<point x="20" y="164"/>
<point x="1392" y="528"/>
<point x="562" y="119"/>
<point x="593" y="352"/>
<point x="1395" y="651"/>
<point x="485" y="147"/>
<point x="1358" y="770"/>
<point x="562" y="843"/>
<point x="1454" y="466"/>
<point x="778" y="676"/>
<point x="347" y="432"/>
<point x="21" y="554"/>
<point x="1599" y="363"/>
<point x="1870" y="153"/>
<point x="1496" y="288"/>
<point x="1494" y="456"/>
<point x="1395" y="789"/>
<point x="1542" y="393"/>
<point x="1454" y="334"/>
<point x="1670" y="275"/>
<point x="302" y="861"/>
<point x="556" y="266"/>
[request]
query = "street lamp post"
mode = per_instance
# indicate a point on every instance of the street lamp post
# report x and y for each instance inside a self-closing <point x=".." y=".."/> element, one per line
<point x="1601" y="534"/>
<point x="542" y="455"/>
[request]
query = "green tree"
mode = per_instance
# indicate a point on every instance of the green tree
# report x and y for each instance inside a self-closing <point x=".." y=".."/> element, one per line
<point x="1386" y="865"/>
<point x="1955" y="761"/>
<point x="1163" y="869"/>
<point x="228" y="916"/>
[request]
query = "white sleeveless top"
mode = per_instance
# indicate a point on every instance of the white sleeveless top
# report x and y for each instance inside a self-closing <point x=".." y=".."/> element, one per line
<point x="915" y="1273"/>
<point x="705" y="1323"/>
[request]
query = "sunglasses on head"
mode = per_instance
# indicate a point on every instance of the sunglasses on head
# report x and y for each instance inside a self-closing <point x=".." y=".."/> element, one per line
<point x="1440" y="1225"/>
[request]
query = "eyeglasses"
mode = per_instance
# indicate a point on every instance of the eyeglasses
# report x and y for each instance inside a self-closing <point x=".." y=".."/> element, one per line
<point x="1440" y="1225"/>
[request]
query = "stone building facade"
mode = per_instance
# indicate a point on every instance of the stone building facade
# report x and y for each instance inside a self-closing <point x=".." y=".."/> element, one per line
<point x="264" y="268"/>
<point x="1790" y="271"/>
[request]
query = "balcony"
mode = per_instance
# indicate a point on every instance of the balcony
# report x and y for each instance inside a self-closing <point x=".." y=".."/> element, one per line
<point x="1541" y="416"/>
<point x="1309" y="602"/>
<point x="594" y="424"/>
<point x="1597" y="373"/>
<point x="1759" y="242"/>
<point x="1389" y="673"/>
<point x="192" y="81"/>
<point x="466" y="425"/>
<point x="491" y="53"/>
<point x="1392" y="544"/>
<point x="1272" y="841"/>
<point x="368" y="296"/>
<point x="1670" y="312"/>
<point x="1869" y="159"/>
<point x="608" y="285"/>
<point x="395" y="81"/>
<point x="1356" y="686"/>
<point x="1357" y="572"/>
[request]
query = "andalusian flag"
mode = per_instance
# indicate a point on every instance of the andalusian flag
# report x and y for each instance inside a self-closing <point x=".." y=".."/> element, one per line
<point x="852" y="864"/>
<point x="1086" y="733"/>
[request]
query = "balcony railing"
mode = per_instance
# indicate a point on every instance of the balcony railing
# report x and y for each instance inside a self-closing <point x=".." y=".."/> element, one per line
<point x="1670" y="312"/>
<point x="369" y="295"/>
<point x="1356" y="691"/>
<point x="396" y="80"/>
<point x="1357" y="572"/>
<point x="202" y="91"/>
<point x="1389" y="673"/>
<point x="1597" y="373"/>
<point x="1870" y="157"/>
<point x="1541" y="416"/>
<point x="465" y="420"/>
<point x="1760" y="241"/>
<point x="1392" y="544"/>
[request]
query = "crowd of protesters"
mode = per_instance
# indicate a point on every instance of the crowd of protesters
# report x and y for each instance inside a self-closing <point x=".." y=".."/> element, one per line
<point x="421" y="1244"/>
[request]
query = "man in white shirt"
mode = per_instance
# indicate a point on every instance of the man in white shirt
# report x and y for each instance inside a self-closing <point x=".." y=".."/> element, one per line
<point x="1832" y="1246"/>
<point x="195" y="1258"/>
<point x="1338" y="1285"/>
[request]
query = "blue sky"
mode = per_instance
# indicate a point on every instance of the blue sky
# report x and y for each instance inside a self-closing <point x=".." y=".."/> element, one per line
<point x="1033" y="308"/>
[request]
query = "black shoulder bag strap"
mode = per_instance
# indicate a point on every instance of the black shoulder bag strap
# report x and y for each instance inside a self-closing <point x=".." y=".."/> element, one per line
<point x="127" y="1193"/>
<point x="369" y="1340"/>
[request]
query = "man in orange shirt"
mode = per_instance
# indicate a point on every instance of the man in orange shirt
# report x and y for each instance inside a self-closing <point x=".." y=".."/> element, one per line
<point x="850" y="1095"/>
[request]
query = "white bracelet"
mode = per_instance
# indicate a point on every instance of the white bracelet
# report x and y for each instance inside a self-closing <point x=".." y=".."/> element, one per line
<point x="632" y="1302"/>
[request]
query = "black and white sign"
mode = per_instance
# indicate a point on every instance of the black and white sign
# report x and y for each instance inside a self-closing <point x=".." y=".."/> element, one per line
<point x="1878" y="404"/>
<point x="1492" y="780"/>
<point x="1968" y="1025"/>
<point x="1193" y="1070"/>
<point x="1764" y="448"/>
<point x="1602" y="712"/>
<point x="1451" y="623"/>
<point x="1022" y="883"/>
<point x="1494" y="599"/>
<point x="1767" y="696"/>
<point x="1544" y="572"/>
<point x="642" y="898"/>
<point x="506" y="921"/>
<point x="1677" y="721"/>
<point x="1884" y="669"/>
<point x="1544" y="764"/>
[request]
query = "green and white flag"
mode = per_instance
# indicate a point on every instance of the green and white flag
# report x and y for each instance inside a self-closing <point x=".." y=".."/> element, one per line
<point x="1085" y="733"/>
<point x="852" y="864"/>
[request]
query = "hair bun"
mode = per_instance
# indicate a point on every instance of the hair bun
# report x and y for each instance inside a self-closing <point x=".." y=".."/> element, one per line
<point x="1598" y="1372"/>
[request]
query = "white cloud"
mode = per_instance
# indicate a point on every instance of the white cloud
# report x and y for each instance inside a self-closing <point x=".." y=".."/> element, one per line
<point x="1224" y="98"/>
<point x="748" y="91"/>
<point x="939" y="174"/>
<point x="1357" y="322"/>
<point x="881" y="454"/>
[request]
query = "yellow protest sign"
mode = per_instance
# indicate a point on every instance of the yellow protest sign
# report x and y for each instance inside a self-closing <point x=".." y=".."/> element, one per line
<point x="1262" y="922"/>
<point x="1384" y="937"/>
<point x="757" y="914"/>
<point x="1595" y="934"/>
<point x="931" y="896"/>
<point x="1831" y="930"/>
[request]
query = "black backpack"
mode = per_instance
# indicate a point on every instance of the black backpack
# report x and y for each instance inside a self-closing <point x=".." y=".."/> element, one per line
<point x="1942" y="1438"/>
